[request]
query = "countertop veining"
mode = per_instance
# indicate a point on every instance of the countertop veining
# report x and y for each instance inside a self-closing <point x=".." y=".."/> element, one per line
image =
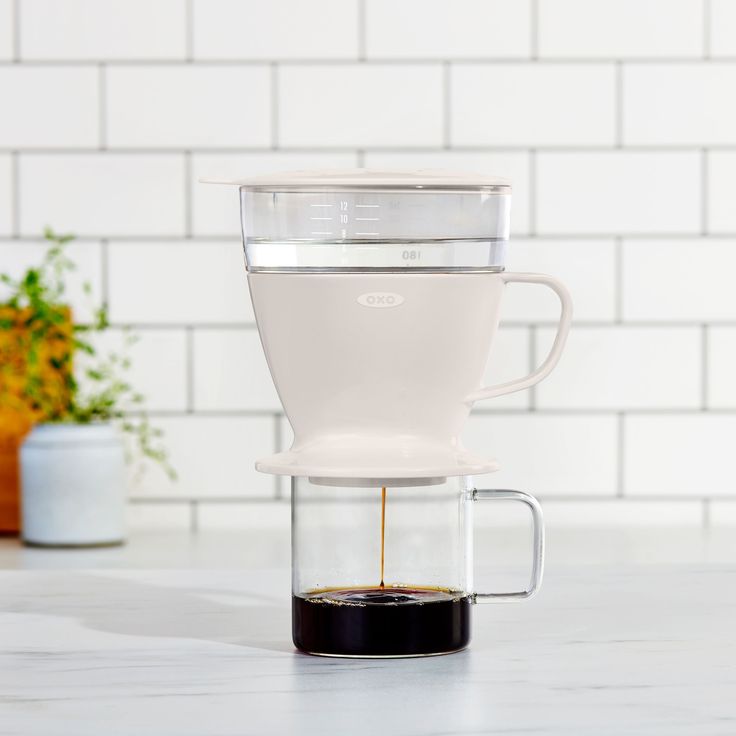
<point x="633" y="648"/>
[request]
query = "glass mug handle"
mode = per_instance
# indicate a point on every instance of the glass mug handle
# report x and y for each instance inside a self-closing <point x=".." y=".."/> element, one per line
<point x="538" y="544"/>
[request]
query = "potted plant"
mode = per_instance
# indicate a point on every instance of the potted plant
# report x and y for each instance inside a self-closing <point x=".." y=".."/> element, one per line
<point x="26" y="360"/>
<point x="72" y="463"/>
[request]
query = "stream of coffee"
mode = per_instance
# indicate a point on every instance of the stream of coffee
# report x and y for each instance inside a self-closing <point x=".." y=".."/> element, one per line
<point x="383" y="532"/>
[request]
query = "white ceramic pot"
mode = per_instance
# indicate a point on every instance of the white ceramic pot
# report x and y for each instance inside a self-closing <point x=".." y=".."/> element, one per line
<point x="73" y="485"/>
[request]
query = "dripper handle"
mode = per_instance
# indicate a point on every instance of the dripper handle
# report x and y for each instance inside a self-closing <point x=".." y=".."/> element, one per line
<point x="563" y="327"/>
<point x="538" y="544"/>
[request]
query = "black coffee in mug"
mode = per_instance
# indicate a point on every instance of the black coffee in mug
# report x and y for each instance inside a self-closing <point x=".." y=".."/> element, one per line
<point x="389" y="621"/>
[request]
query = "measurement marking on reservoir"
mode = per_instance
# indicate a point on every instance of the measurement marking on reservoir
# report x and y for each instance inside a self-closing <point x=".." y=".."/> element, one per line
<point x="320" y="218"/>
<point x="367" y="219"/>
<point x="321" y="205"/>
<point x="367" y="233"/>
<point x="367" y="205"/>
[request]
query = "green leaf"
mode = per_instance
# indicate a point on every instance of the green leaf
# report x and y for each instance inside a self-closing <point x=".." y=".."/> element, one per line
<point x="103" y="394"/>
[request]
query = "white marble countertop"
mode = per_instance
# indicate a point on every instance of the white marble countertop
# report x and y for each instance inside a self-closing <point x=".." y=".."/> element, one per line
<point x="626" y="646"/>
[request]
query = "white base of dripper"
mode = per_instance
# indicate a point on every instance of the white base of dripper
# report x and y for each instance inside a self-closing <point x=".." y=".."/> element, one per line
<point x="400" y="464"/>
<point x="377" y="482"/>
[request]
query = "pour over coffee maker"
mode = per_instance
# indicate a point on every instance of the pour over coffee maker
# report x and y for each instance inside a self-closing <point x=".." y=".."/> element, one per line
<point x="377" y="296"/>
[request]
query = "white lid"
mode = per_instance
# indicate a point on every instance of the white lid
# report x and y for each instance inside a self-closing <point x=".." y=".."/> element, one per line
<point x="372" y="179"/>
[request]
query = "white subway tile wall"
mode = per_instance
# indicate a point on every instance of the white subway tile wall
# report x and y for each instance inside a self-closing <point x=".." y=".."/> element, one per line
<point x="462" y="29"/>
<point x="616" y="122"/>
<point x="505" y="104"/>
<point x="614" y="192"/>
<point x="588" y="268"/>
<point x="721" y="186"/>
<point x="91" y="30"/>
<point x="722" y="28"/>
<point x="620" y="29"/>
<point x="623" y="513"/>
<point x="233" y="515"/>
<point x="6" y="29"/>
<point x="679" y="104"/>
<point x="549" y="454"/>
<point x="158" y="364"/>
<point x="188" y="106"/>
<point x="624" y="367"/>
<point x="212" y="456"/>
<point x="685" y="280"/>
<point x="101" y="194"/>
<point x="349" y="105"/>
<point x="680" y="455"/>
<point x="182" y="282"/>
<point x="277" y="29"/>
<point x="721" y="513"/>
<point x="51" y="106"/>
<point x="230" y="372"/>
<point x="721" y="367"/>
<point x="7" y="199"/>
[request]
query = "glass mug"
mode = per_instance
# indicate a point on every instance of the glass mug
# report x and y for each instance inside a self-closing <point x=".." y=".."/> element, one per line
<point x="384" y="568"/>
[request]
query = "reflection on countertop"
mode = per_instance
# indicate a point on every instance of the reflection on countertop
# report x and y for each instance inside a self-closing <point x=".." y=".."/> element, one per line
<point x="632" y="633"/>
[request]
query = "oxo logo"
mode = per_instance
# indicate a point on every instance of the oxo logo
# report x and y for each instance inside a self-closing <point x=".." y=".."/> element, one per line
<point x="380" y="299"/>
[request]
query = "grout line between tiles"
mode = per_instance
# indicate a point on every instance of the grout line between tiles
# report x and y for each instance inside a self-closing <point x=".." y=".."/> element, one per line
<point x="534" y="30"/>
<point x="619" y="104"/>
<point x="188" y="183"/>
<point x="16" y="32"/>
<point x="234" y="239"/>
<point x="360" y="158"/>
<point x="618" y="280"/>
<point x="620" y="453"/>
<point x="706" y="29"/>
<point x="170" y="499"/>
<point x="362" y="30"/>
<point x="102" y="107"/>
<point x="122" y="150"/>
<point x="532" y="366"/>
<point x="15" y="194"/>
<point x="236" y="326"/>
<point x="346" y="61"/>
<point x="274" y="76"/>
<point x="133" y="240"/>
<point x="593" y="497"/>
<point x="189" y="367"/>
<point x="193" y="516"/>
<point x="704" y="191"/>
<point x="579" y="324"/>
<point x="447" y="104"/>
<point x="532" y="191"/>
<point x="189" y="30"/>
<point x="105" y="273"/>
<point x="704" y="367"/>
<point x="610" y="411"/>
